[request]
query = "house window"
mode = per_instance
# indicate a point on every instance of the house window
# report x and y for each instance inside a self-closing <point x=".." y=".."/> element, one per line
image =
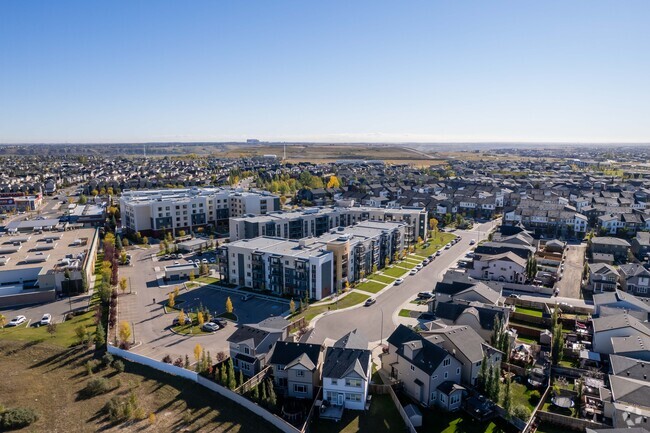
<point x="335" y="381"/>
<point x="446" y="375"/>
<point x="412" y="368"/>
<point x="247" y="351"/>
<point x="458" y="370"/>
<point x="300" y="389"/>
<point x="352" y="397"/>
<point x="300" y="373"/>
<point x="356" y="383"/>
<point x="446" y="362"/>
<point x="433" y="396"/>
<point x="245" y="366"/>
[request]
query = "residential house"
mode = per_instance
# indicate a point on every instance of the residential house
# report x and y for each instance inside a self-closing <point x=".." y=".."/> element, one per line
<point x="634" y="279"/>
<point x="297" y="368"/>
<point x="346" y="373"/>
<point x="602" y="278"/>
<point x="628" y="405"/>
<point x="620" y="325"/>
<point x="640" y="245"/>
<point x="619" y="248"/>
<point x="428" y="373"/>
<point x="251" y="345"/>
<point x="618" y="302"/>
<point x="504" y="267"/>
<point x="480" y="317"/>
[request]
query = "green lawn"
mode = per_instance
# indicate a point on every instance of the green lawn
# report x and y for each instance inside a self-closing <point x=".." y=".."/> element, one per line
<point x="405" y="313"/>
<point x="438" y="421"/>
<point x="348" y="301"/>
<point x="370" y="286"/>
<point x="382" y="417"/>
<point x="395" y="271"/>
<point x="207" y="280"/>
<point x="521" y="395"/>
<point x="435" y="243"/>
<point x="65" y="335"/>
<point x="529" y="311"/>
<point x="527" y="340"/>
<point x="382" y="278"/>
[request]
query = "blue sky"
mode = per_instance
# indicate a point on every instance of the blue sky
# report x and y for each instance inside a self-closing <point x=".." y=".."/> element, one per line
<point x="133" y="71"/>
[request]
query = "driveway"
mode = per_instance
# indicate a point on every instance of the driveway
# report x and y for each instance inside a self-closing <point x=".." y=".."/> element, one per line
<point x="375" y="322"/>
<point x="574" y="264"/>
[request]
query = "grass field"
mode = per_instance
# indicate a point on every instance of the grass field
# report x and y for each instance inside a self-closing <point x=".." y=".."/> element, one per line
<point x="521" y="395"/>
<point x="371" y="286"/>
<point x="48" y="378"/>
<point x="395" y="271"/>
<point x="435" y="243"/>
<point x="529" y="311"/>
<point x="405" y="313"/>
<point x="437" y="421"/>
<point x="382" y="278"/>
<point x="348" y="301"/>
<point x="382" y="417"/>
<point x="65" y="335"/>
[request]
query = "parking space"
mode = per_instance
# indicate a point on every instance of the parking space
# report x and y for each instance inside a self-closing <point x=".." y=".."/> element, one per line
<point x="253" y="310"/>
<point x="57" y="309"/>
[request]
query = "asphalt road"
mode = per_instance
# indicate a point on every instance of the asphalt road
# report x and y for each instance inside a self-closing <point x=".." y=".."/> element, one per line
<point x="369" y="320"/>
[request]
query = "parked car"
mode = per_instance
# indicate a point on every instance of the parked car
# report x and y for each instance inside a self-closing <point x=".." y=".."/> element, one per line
<point x="514" y="296"/>
<point x="438" y="253"/>
<point x="46" y="319"/>
<point x="220" y="321"/>
<point x="197" y="261"/>
<point x="425" y="262"/>
<point x="18" y="320"/>
<point x="370" y="301"/>
<point x="447" y="246"/>
<point x="204" y="261"/>
<point x="174" y="256"/>
<point x="399" y="281"/>
<point x="472" y="242"/>
<point x="425" y="295"/>
<point x="175" y="322"/>
<point x="247" y="297"/>
<point x="431" y="256"/>
<point x="212" y="260"/>
<point x="210" y="327"/>
<point x="167" y="257"/>
<point x="419" y="266"/>
<point x="413" y="272"/>
<point x="179" y="256"/>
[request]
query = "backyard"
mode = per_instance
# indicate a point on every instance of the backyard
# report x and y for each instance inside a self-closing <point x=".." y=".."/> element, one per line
<point x="382" y="417"/>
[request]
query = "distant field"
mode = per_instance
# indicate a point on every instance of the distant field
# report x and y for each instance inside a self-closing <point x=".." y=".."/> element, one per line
<point x="48" y="378"/>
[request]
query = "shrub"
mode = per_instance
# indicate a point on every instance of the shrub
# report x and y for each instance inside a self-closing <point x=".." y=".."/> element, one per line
<point x="118" y="366"/>
<point x="17" y="418"/>
<point x="95" y="387"/>
<point x="107" y="359"/>
<point x="125" y="345"/>
<point x="521" y="412"/>
<point x="167" y="359"/>
<point x="178" y="362"/>
<point x="534" y="398"/>
<point x="91" y="366"/>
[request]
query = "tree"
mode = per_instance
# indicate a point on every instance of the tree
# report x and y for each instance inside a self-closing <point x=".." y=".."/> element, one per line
<point x="186" y="365"/>
<point x="145" y="240"/>
<point x="229" y="307"/>
<point x="80" y="331"/>
<point x="152" y="418"/>
<point x="51" y="329"/>
<point x="241" y="378"/>
<point x="109" y="239"/>
<point x="292" y="306"/>
<point x="3" y="321"/>
<point x="172" y="301"/>
<point x="124" y="331"/>
<point x="386" y="262"/>
<point x="579" y="392"/>
<point x="374" y="268"/>
<point x="487" y="386"/>
<point x="333" y="182"/>
<point x="100" y="335"/>
<point x="255" y="393"/>
<point x="123" y="284"/>
<point x="557" y="344"/>
<point x="433" y="226"/>
<point x="483" y="374"/>
<point x="82" y="199"/>
<point x="420" y="240"/>
<point x="176" y="291"/>
<point x="507" y="397"/>
<point x="181" y="317"/>
<point x="232" y="383"/>
<point x="224" y="375"/>
<point x="199" y="318"/>
<point x="191" y="277"/>
<point x="271" y="393"/>
<point x="198" y="350"/>
<point x="494" y="390"/>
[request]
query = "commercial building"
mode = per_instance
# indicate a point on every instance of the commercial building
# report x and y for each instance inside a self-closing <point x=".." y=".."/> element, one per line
<point x="185" y="209"/>
<point x="314" y="267"/>
<point x="35" y="267"/>
<point x="19" y="202"/>
<point x="316" y="221"/>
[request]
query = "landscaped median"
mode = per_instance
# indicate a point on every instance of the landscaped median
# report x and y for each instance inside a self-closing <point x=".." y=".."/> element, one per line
<point x="349" y="300"/>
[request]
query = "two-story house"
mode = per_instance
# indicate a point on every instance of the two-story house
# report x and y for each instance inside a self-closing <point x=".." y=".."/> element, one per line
<point x="346" y="373"/>
<point x="297" y="368"/>
<point x="428" y="373"/>
<point x="252" y="345"/>
<point x="635" y="279"/>
<point x="602" y="278"/>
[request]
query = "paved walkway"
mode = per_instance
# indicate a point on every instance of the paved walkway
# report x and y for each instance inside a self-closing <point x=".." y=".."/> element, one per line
<point x="574" y="263"/>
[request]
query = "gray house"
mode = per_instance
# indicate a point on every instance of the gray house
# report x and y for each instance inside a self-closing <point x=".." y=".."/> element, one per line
<point x="252" y="345"/>
<point x="619" y="248"/>
<point x="634" y="279"/>
<point x="428" y="373"/>
<point x="297" y="368"/>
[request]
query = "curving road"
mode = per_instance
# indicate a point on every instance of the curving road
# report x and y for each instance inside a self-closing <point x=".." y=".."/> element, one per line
<point x="368" y="320"/>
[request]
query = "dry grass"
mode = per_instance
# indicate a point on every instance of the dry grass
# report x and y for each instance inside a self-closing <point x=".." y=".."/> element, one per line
<point x="48" y="379"/>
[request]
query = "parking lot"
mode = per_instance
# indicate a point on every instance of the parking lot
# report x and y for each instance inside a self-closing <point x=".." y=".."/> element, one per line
<point x="57" y="309"/>
<point x="252" y="311"/>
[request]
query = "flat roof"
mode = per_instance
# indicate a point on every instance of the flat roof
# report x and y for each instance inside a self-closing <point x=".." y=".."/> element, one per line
<point x="31" y="224"/>
<point x="38" y="243"/>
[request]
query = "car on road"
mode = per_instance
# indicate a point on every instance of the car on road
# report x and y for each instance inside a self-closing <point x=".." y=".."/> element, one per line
<point x="210" y="327"/>
<point x="18" y="320"/>
<point x="425" y="295"/>
<point x="413" y="272"/>
<point x="46" y="319"/>
<point x="472" y="241"/>
<point x="438" y="253"/>
<point x="425" y="262"/>
<point x="419" y="267"/>
<point x="399" y="281"/>
<point x="369" y="302"/>
<point x="447" y="246"/>
<point x="247" y="297"/>
<point x="204" y="261"/>
<point x="187" y="321"/>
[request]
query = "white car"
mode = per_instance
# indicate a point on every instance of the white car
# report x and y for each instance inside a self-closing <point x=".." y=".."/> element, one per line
<point x="419" y="267"/>
<point x="204" y="261"/>
<point x="18" y="320"/>
<point x="413" y="272"/>
<point x="46" y="319"/>
<point x="179" y="256"/>
<point x="399" y="281"/>
<point x="472" y="242"/>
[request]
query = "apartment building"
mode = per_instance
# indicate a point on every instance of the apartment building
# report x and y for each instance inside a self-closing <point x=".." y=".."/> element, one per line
<point x="316" y="221"/>
<point x="314" y="267"/>
<point x="176" y="209"/>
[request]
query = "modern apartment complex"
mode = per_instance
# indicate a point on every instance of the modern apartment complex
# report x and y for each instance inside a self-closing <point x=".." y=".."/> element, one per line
<point x="316" y="221"/>
<point x="314" y="267"/>
<point x="175" y="209"/>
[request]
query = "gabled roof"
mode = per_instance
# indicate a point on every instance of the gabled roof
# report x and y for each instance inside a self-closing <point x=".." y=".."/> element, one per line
<point x="428" y="355"/>
<point x="487" y="293"/>
<point x="631" y="345"/>
<point x="463" y="338"/>
<point x="451" y="311"/>
<point x="628" y="390"/>
<point x="624" y="300"/>
<point x="619" y="321"/>
<point x="609" y="240"/>
<point x="629" y="367"/>
<point x="507" y="256"/>
<point x="340" y="362"/>
<point x="289" y="354"/>
<point x="352" y="340"/>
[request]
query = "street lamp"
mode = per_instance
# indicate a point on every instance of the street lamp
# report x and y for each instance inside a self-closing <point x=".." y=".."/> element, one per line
<point x="381" y="339"/>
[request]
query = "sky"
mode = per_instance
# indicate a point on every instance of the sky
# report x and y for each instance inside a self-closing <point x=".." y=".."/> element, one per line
<point x="337" y="71"/>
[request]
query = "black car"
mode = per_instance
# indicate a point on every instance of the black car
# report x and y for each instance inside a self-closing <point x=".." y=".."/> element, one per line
<point x="220" y="321"/>
<point x="188" y="321"/>
<point x="425" y="295"/>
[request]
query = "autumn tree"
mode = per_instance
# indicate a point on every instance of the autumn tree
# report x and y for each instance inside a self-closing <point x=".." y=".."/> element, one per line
<point x="198" y="350"/>
<point x="172" y="300"/>
<point x="333" y="182"/>
<point x="123" y="284"/>
<point x="229" y="307"/>
<point x="124" y="332"/>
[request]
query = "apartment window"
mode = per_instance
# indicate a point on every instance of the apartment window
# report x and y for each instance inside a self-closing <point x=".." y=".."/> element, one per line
<point x="300" y="389"/>
<point x="446" y="375"/>
<point x="446" y="362"/>
<point x="300" y="373"/>
<point x="247" y="351"/>
<point x="412" y="368"/>
<point x="458" y="370"/>
<point x="433" y="396"/>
